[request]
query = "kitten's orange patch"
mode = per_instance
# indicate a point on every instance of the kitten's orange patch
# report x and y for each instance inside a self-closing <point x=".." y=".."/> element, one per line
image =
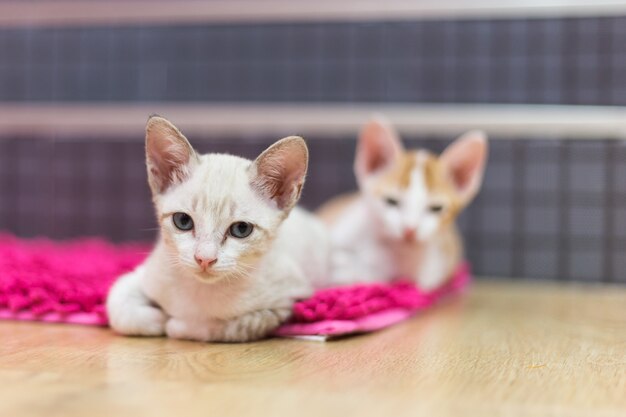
<point x="439" y="182"/>
<point x="398" y="176"/>
<point x="406" y="166"/>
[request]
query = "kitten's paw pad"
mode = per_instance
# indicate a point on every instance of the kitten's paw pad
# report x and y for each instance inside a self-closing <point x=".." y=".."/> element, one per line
<point x="140" y="321"/>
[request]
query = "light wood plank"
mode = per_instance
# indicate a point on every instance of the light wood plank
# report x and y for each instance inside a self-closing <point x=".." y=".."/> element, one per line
<point x="505" y="349"/>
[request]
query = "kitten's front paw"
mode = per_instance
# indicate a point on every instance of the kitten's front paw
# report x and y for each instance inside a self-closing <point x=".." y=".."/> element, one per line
<point x="175" y="329"/>
<point x="139" y="321"/>
<point x="253" y="326"/>
<point x="246" y="328"/>
<point x="130" y="311"/>
<point x="180" y="329"/>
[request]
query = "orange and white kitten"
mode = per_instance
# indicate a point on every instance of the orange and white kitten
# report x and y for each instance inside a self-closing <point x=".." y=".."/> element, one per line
<point x="402" y="224"/>
<point x="233" y="253"/>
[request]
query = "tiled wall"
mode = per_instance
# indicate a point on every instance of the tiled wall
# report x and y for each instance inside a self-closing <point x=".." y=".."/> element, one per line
<point x="552" y="209"/>
<point x="566" y="60"/>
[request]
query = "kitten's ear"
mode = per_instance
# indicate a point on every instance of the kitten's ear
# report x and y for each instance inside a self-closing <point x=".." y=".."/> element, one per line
<point x="169" y="156"/>
<point x="278" y="173"/>
<point x="378" y="146"/>
<point x="466" y="158"/>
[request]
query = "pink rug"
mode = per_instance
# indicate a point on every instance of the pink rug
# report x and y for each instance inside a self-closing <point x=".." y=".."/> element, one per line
<point x="365" y="308"/>
<point x="66" y="282"/>
<point x="43" y="280"/>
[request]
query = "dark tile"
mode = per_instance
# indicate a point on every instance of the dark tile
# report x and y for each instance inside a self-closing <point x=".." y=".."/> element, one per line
<point x="13" y="83"/>
<point x="586" y="266"/>
<point x="124" y="82"/>
<point x="337" y="42"/>
<point x="541" y="264"/>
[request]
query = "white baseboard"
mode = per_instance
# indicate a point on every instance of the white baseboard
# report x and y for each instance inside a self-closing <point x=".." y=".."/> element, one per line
<point x="329" y="121"/>
<point x="119" y="12"/>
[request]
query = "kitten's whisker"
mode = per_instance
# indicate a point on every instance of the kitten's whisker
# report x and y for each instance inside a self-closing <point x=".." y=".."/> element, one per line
<point x="228" y="278"/>
<point x="242" y="272"/>
<point x="177" y="261"/>
<point x="244" y="269"/>
<point x="248" y="267"/>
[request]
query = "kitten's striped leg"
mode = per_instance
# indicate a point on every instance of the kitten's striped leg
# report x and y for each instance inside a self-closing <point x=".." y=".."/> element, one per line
<point x="253" y="326"/>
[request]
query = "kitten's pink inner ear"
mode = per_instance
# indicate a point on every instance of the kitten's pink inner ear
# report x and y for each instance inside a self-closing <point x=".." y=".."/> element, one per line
<point x="278" y="173"/>
<point x="169" y="156"/>
<point x="466" y="158"/>
<point x="378" y="146"/>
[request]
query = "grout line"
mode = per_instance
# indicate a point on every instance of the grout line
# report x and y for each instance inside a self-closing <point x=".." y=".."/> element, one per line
<point x="519" y="207"/>
<point x="564" y="206"/>
<point x="608" y="273"/>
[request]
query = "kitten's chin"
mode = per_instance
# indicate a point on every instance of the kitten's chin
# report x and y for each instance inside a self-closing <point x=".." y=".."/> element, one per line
<point x="208" y="277"/>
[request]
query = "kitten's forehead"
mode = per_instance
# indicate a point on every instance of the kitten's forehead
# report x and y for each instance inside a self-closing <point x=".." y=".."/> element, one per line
<point x="410" y="166"/>
<point x="219" y="176"/>
<point x="219" y="184"/>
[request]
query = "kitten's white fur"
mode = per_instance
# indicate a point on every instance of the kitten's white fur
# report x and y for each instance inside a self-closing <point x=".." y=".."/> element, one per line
<point x="250" y="289"/>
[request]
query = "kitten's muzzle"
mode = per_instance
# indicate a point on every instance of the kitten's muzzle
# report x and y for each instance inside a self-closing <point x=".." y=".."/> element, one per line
<point x="205" y="263"/>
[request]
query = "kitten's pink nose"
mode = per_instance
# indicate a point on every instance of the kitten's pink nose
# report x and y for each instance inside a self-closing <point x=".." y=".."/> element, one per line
<point x="205" y="263"/>
<point x="410" y="234"/>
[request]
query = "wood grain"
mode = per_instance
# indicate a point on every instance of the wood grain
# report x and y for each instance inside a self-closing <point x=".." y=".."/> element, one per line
<point x="504" y="349"/>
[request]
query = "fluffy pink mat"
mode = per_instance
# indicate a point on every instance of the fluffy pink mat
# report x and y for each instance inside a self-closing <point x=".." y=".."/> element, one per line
<point x="43" y="280"/>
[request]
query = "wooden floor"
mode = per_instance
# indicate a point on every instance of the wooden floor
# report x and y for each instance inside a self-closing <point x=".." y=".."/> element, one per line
<point x="504" y="349"/>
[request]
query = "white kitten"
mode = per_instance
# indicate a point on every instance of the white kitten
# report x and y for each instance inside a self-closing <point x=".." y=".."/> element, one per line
<point x="233" y="253"/>
<point x="402" y="223"/>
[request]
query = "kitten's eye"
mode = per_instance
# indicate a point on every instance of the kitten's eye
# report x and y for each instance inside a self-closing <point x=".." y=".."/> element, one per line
<point x="182" y="221"/>
<point x="390" y="201"/>
<point x="435" y="208"/>
<point x="240" y="229"/>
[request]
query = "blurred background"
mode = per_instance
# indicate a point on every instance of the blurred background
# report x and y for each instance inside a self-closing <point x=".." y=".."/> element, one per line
<point x="546" y="80"/>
